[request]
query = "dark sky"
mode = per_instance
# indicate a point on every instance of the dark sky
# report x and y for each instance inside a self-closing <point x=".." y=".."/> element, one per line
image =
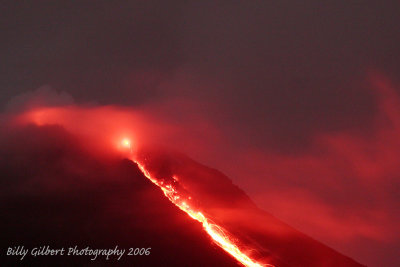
<point x="267" y="62"/>
<point x="291" y="84"/>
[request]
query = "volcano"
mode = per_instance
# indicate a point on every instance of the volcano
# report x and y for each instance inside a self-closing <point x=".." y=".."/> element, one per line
<point x="55" y="191"/>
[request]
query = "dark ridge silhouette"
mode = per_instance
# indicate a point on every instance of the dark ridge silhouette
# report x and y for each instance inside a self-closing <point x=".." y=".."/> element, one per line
<point x="55" y="193"/>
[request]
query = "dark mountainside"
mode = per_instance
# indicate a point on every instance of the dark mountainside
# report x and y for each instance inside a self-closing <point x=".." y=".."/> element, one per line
<point x="56" y="192"/>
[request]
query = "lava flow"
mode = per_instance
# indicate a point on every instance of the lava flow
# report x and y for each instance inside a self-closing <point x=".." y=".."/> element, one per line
<point x="218" y="234"/>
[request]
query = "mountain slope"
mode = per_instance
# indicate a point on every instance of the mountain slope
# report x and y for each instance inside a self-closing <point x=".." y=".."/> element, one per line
<point x="268" y="239"/>
<point x="55" y="193"/>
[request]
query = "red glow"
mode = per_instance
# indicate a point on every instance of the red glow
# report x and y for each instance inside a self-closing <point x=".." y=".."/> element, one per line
<point x="306" y="189"/>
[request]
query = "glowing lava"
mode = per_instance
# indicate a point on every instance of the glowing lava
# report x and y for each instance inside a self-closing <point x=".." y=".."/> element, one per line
<point x="218" y="234"/>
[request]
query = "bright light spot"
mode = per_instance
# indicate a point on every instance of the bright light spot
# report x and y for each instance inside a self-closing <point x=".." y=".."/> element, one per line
<point x="126" y="143"/>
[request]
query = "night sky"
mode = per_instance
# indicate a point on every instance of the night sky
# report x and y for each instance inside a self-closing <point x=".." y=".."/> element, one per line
<point x="297" y="102"/>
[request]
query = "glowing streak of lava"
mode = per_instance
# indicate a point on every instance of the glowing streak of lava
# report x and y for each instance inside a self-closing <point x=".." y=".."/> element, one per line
<point x="217" y="233"/>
